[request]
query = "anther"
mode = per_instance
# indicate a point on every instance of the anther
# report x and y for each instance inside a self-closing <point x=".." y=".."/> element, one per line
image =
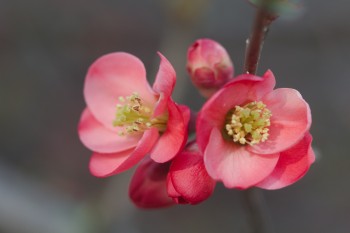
<point x="248" y="124"/>
<point x="133" y="116"/>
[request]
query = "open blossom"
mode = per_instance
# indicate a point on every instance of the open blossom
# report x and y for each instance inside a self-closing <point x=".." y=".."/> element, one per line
<point x="252" y="135"/>
<point x="209" y="66"/>
<point x="184" y="180"/>
<point x="126" y="119"/>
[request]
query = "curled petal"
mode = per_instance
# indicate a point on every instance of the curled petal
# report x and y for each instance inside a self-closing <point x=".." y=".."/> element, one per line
<point x="243" y="89"/>
<point x="175" y="136"/>
<point x="164" y="85"/>
<point x="291" y="119"/>
<point x="166" y="77"/>
<point x="148" y="185"/>
<point x="102" y="165"/>
<point x="111" y="76"/>
<point x="235" y="166"/>
<point x="292" y="165"/>
<point x="189" y="178"/>
<point x="98" y="138"/>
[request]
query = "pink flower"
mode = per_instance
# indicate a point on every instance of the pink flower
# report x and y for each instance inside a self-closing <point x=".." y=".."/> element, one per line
<point x="184" y="180"/>
<point x="125" y="118"/>
<point x="209" y="66"/>
<point x="252" y="135"/>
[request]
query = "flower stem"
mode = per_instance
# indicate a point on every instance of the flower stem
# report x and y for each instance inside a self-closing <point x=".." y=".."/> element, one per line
<point x="254" y="44"/>
<point x="256" y="205"/>
<point x="260" y="220"/>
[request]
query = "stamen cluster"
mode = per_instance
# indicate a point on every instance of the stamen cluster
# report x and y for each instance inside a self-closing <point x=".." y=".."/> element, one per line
<point x="249" y="124"/>
<point x="134" y="116"/>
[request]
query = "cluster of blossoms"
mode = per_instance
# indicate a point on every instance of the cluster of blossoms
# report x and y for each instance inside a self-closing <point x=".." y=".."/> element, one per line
<point x="247" y="133"/>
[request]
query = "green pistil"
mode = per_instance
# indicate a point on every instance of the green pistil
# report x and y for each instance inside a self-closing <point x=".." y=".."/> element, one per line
<point x="135" y="117"/>
<point x="248" y="124"/>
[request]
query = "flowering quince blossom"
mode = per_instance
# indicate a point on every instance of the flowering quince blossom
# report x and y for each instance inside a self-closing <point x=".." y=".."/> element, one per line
<point x="209" y="66"/>
<point x="126" y="119"/>
<point x="252" y="135"/>
<point x="184" y="180"/>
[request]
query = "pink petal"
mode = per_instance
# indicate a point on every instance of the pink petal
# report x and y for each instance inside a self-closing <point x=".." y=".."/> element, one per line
<point x="148" y="185"/>
<point x="111" y="76"/>
<point x="204" y="77"/>
<point x="234" y="165"/>
<point x="292" y="165"/>
<point x="245" y="88"/>
<point x="102" y="165"/>
<point x="160" y="106"/>
<point x="164" y="85"/>
<point x="98" y="138"/>
<point x="166" y="78"/>
<point x="175" y="195"/>
<point x="205" y="81"/>
<point x="190" y="178"/>
<point x="186" y="113"/>
<point x="174" y="138"/>
<point x="291" y="119"/>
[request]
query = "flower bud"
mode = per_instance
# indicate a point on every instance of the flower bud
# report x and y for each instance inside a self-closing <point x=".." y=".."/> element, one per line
<point x="209" y="66"/>
<point x="188" y="181"/>
<point x="148" y="185"/>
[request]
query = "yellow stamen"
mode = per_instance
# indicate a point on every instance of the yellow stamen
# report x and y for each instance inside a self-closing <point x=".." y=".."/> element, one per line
<point x="133" y="116"/>
<point x="248" y="124"/>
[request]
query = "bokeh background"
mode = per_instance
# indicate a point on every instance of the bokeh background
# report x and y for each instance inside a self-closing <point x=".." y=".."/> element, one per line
<point x="46" y="47"/>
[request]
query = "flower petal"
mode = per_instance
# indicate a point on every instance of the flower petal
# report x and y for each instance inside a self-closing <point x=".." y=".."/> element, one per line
<point x="111" y="76"/>
<point x="292" y="165"/>
<point x="175" y="195"/>
<point x="290" y="120"/>
<point x="103" y="165"/>
<point x="160" y="106"/>
<point x="166" y="77"/>
<point x="243" y="89"/>
<point x="190" y="178"/>
<point x="186" y="113"/>
<point x="148" y="185"/>
<point x="164" y="85"/>
<point x="98" y="138"/>
<point x="175" y="136"/>
<point x="234" y="165"/>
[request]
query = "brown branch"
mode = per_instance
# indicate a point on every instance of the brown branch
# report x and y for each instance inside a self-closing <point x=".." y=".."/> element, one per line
<point x="254" y="199"/>
<point x="254" y="45"/>
<point x="259" y="217"/>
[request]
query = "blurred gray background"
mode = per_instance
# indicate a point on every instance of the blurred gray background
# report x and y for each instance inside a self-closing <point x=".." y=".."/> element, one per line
<point x="46" y="47"/>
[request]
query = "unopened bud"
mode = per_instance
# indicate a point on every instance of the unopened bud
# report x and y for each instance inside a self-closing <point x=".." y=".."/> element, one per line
<point x="209" y="66"/>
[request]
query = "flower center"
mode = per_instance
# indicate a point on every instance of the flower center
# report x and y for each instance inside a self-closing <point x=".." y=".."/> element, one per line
<point x="248" y="124"/>
<point x="134" y="116"/>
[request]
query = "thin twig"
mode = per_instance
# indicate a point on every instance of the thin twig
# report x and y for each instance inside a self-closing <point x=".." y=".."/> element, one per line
<point x="259" y="216"/>
<point x="256" y="205"/>
<point x="254" y="44"/>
